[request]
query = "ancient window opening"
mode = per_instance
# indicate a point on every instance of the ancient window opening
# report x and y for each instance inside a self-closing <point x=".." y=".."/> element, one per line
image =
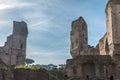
<point x="81" y="47"/>
<point x="86" y="39"/>
<point x="6" y="53"/>
<point x="21" y="46"/>
<point x="76" y="42"/>
<point x="107" y="50"/>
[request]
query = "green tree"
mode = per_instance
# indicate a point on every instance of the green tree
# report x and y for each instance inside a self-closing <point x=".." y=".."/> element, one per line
<point x="62" y="66"/>
<point x="29" y="61"/>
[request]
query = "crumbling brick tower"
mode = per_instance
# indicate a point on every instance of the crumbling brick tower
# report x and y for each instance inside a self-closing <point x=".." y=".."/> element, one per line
<point x="113" y="26"/>
<point x="20" y="33"/>
<point x="106" y="63"/>
<point x="14" y="50"/>
<point x="79" y="37"/>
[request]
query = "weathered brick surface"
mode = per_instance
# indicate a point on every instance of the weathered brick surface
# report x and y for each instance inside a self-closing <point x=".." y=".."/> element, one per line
<point x="23" y="74"/>
<point x="14" y="50"/>
<point x="6" y="75"/>
<point x="79" y="37"/>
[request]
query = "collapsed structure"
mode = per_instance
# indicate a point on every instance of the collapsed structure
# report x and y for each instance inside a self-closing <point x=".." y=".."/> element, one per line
<point x="14" y="50"/>
<point x="102" y="62"/>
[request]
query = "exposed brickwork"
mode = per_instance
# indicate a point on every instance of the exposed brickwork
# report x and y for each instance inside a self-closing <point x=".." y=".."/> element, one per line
<point x="23" y="74"/>
<point x="79" y="39"/>
<point x="6" y="74"/>
<point x="14" y="50"/>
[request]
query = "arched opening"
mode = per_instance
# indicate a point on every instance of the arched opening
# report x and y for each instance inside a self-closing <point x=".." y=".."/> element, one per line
<point x="21" y="46"/>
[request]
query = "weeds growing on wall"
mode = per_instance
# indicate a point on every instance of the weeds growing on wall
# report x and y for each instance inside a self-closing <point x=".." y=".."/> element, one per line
<point x="28" y="67"/>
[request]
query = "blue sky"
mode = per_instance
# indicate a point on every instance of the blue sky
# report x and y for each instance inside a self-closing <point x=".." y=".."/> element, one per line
<point x="49" y="24"/>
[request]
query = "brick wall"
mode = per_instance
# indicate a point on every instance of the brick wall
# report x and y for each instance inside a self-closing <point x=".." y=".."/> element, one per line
<point x="27" y="74"/>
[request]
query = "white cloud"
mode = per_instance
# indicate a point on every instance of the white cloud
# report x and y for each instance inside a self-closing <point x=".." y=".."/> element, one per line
<point x="5" y="6"/>
<point x="10" y="5"/>
<point x="41" y="25"/>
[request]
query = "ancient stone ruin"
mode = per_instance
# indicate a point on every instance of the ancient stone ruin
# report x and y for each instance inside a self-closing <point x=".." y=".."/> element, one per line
<point x="103" y="61"/>
<point x="14" y="50"/>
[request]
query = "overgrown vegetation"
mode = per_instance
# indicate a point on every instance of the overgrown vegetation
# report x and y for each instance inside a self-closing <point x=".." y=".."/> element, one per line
<point x="28" y="67"/>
